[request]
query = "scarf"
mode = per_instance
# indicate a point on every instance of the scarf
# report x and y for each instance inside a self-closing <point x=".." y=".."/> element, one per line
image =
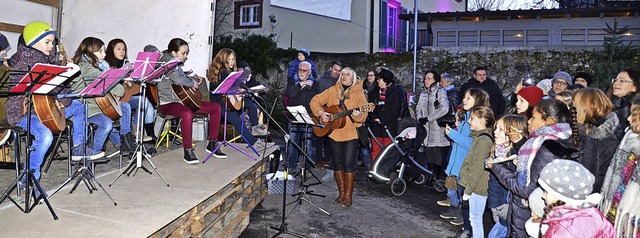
<point x="383" y="94"/>
<point x="530" y="148"/>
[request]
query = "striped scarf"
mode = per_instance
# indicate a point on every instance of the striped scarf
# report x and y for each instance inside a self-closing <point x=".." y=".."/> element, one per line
<point x="533" y="144"/>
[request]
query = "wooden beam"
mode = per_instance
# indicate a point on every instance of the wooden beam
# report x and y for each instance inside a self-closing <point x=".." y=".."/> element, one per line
<point x="53" y="3"/>
<point x="11" y="27"/>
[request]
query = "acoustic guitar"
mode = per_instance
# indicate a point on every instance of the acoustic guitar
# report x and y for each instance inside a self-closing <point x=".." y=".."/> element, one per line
<point x="233" y="101"/>
<point x="49" y="111"/>
<point x="130" y="91"/>
<point x="110" y="106"/>
<point x="337" y="119"/>
<point x="189" y="96"/>
<point x="48" y="108"/>
<point x="152" y="94"/>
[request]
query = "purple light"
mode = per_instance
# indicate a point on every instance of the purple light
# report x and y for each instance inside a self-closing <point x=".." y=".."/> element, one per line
<point x="445" y="5"/>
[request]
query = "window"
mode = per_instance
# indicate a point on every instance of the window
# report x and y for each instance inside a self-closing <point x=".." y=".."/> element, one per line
<point x="392" y="32"/>
<point x="248" y="14"/>
<point x="392" y="18"/>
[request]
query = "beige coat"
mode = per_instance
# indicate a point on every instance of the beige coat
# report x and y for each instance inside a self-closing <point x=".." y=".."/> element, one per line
<point x="330" y="97"/>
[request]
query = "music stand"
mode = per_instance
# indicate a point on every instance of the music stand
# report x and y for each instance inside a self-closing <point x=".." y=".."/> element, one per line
<point x="98" y="88"/>
<point x="39" y="80"/>
<point x="143" y="73"/>
<point x="230" y="86"/>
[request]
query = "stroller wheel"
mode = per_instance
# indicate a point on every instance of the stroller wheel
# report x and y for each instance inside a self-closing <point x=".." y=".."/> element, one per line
<point x="371" y="182"/>
<point x="398" y="186"/>
<point x="421" y="179"/>
<point x="439" y="185"/>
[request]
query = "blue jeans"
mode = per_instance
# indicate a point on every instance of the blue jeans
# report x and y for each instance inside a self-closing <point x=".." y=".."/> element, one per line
<point x="105" y="125"/>
<point x="235" y="117"/>
<point x="477" y="204"/>
<point x="149" y="113"/>
<point x="297" y="133"/>
<point x="125" y="123"/>
<point x="41" y="143"/>
<point x="365" y="153"/>
<point x="76" y="110"/>
<point x="498" y="231"/>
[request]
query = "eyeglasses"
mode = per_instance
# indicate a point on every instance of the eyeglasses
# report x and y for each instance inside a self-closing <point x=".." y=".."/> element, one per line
<point x="560" y="82"/>
<point x="303" y="70"/>
<point x="371" y="75"/>
<point x="621" y="81"/>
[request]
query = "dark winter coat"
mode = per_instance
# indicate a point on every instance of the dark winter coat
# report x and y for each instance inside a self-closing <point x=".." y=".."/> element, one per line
<point x="386" y="111"/>
<point x="622" y="108"/>
<point x="496" y="99"/>
<point x="518" y="212"/>
<point x="598" y="148"/>
<point x="301" y="95"/>
<point x="326" y="81"/>
<point x="23" y="60"/>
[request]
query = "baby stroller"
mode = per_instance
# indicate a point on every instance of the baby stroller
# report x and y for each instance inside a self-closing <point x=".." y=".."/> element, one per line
<point x="398" y="163"/>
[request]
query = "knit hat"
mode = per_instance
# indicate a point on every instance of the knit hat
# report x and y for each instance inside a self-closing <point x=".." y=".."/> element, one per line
<point x="536" y="204"/>
<point x="545" y="85"/>
<point x="532" y="94"/>
<point x="305" y="52"/>
<point x="586" y="76"/>
<point x="386" y="76"/>
<point x="35" y="31"/>
<point x="242" y="64"/>
<point x="448" y="77"/>
<point x="151" y="48"/>
<point x="564" y="76"/>
<point x="4" y="43"/>
<point x="567" y="180"/>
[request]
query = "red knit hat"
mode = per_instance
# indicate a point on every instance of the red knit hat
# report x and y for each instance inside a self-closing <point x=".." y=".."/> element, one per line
<point x="532" y="94"/>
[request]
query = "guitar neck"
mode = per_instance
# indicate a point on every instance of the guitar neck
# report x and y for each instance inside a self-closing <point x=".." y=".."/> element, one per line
<point x="345" y="113"/>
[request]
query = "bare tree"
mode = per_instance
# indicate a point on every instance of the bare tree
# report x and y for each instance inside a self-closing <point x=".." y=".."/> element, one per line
<point x="490" y="5"/>
<point x="224" y="11"/>
<point x="572" y="3"/>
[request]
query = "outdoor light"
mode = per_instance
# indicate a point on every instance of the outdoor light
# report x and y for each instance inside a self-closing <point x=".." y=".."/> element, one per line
<point x="519" y="35"/>
<point x="627" y="34"/>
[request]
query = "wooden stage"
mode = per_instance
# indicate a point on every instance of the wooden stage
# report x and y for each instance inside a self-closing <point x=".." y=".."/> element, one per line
<point x="213" y="199"/>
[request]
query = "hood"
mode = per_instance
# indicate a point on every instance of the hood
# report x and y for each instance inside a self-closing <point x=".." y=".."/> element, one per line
<point x="605" y="129"/>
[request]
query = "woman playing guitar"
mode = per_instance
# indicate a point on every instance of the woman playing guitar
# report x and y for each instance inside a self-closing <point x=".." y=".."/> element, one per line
<point x="37" y="47"/>
<point x="116" y="55"/>
<point x="170" y="104"/>
<point x="90" y="57"/>
<point x="221" y="66"/>
<point x="343" y="141"/>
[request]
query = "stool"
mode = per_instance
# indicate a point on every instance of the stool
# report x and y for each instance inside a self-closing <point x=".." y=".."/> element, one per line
<point x="52" y="154"/>
<point x="6" y="163"/>
<point x="164" y="134"/>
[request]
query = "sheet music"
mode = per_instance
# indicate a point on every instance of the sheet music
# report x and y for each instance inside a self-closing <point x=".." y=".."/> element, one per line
<point x="300" y="114"/>
<point x="53" y="83"/>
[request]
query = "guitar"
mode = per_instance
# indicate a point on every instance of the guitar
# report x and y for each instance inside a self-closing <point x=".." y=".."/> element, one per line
<point x="49" y="111"/>
<point x="189" y="96"/>
<point x="233" y="101"/>
<point x="110" y="106"/>
<point x="48" y="108"/>
<point x="337" y="119"/>
<point x="152" y="94"/>
<point x="130" y="91"/>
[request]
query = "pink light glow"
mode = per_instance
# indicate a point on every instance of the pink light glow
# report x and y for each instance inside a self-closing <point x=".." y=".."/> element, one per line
<point x="445" y="6"/>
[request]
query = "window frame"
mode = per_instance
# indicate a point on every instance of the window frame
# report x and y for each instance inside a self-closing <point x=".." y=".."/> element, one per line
<point x="248" y="4"/>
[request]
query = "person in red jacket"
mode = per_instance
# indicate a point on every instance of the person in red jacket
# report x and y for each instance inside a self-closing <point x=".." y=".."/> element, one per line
<point x="571" y="207"/>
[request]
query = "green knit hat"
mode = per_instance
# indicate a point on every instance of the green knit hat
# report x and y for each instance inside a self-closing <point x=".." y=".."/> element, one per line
<point x="35" y="31"/>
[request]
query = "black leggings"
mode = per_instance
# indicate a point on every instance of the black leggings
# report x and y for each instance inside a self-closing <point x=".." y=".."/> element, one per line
<point x="345" y="155"/>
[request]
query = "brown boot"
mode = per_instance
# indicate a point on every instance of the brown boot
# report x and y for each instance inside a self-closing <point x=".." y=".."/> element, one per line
<point x="339" y="177"/>
<point x="350" y="180"/>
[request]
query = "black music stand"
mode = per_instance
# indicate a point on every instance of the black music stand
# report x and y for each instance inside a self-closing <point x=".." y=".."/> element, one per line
<point x="40" y="80"/>
<point x="231" y="86"/>
<point x="143" y="73"/>
<point x="98" y="88"/>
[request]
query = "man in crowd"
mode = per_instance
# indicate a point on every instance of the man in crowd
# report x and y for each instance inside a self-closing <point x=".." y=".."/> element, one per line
<point x="328" y="79"/>
<point x="480" y="80"/>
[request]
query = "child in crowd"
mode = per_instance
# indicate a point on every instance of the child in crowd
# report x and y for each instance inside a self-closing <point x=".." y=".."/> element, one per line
<point x="509" y="134"/>
<point x="459" y="150"/>
<point x="621" y="187"/>
<point x="571" y="207"/>
<point x="566" y="96"/>
<point x="528" y="97"/>
<point x="473" y="177"/>
<point x="303" y="55"/>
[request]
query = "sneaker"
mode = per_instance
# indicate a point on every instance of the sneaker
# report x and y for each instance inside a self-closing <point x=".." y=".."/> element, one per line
<point x="190" y="156"/>
<point x="260" y="144"/>
<point x="218" y="154"/>
<point x="461" y="234"/>
<point x="147" y="138"/>
<point x="458" y="220"/>
<point x="259" y="130"/>
<point x="328" y="177"/>
<point x="445" y="203"/>
<point x="451" y="214"/>
<point x="77" y="153"/>
<point x="4" y="136"/>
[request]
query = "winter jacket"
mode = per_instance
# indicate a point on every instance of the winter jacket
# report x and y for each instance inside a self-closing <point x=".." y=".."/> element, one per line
<point x="426" y="108"/>
<point x="598" y="148"/>
<point x="568" y="221"/>
<point x="301" y="95"/>
<point x="355" y="99"/>
<point x="460" y="147"/>
<point x="23" y="60"/>
<point x="616" y="173"/>
<point x="175" y="76"/>
<point x="386" y="111"/>
<point x="88" y="74"/>
<point x="293" y="71"/>
<point x="473" y="177"/>
<point x="622" y="108"/>
<point x="326" y="81"/>
<point x="518" y="212"/>
<point x="452" y="94"/>
<point x="496" y="99"/>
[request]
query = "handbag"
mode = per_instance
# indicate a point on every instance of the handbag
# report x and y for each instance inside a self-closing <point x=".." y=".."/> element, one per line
<point x="451" y="183"/>
<point x="449" y="118"/>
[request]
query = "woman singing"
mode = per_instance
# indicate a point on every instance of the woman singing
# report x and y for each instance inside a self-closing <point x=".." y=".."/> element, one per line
<point x="344" y="141"/>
